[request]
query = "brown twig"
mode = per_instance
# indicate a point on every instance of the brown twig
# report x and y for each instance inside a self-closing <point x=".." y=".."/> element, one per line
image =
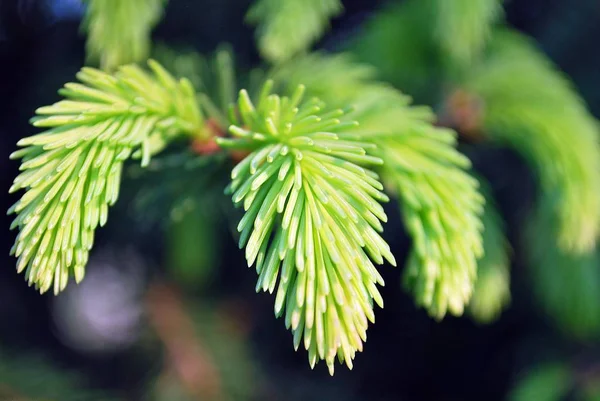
<point x="210" y="146"/>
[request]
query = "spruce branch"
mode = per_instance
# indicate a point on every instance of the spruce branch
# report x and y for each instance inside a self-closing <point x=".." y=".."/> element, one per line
<point x="530" y="106"/>
<point x="492" y="288"/>
<point x="71" y="172"/>
<point x="287" y="27"/>
<point x="441" y="208"/>
<point x="312" y="219"/>
<point x="119" y="31"/>
<point x="464" y="26"/>
<point x="440" y="202"/>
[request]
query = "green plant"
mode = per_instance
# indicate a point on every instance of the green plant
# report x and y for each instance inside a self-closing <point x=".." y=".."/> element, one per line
<point x="312" y="167"/>
<point x="118" y="32"/>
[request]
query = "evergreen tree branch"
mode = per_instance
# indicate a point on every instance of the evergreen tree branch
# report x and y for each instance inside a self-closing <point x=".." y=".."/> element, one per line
<point x="531" y="106"/>
<point x="441" y="209"/>
<point x="71" y="172"/>
<point x="313" y="219"/>
<point x="441" y="204"/>
<point x="287" y="27"/>
<point x="119" y="31"/>
<point x="492" y="288"/>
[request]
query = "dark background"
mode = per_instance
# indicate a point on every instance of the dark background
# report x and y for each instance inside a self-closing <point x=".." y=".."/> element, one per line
<point x="408" y="356"/>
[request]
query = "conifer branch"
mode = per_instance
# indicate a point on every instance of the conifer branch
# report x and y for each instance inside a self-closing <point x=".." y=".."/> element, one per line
<point x="71" y="172"/>
<point x="530" y="106"/>
<point x="440" y="202"/>
<point x="119" y="31"/>
<point x="312" y="219"/>
<point x="441" y="209"/>
<point x="287" y="27"/>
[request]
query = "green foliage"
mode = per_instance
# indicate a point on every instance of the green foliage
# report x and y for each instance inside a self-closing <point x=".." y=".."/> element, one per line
<point x="546" y="383"/>
<point x="528" y="105"/>
<point x="440" y="202"/>
<point x="287" y="27"/>
<point x="566" y="285"/>
<point x="119" y="31"/>
<point x="492" y="288"/>
<point x="312" y="219"/>
<point x="441" y="209"/>
<point x="531" y="107"/>
<point x="311" y="181"/>
<point x="463" y="26"/>
<point x="71" y="172"/>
